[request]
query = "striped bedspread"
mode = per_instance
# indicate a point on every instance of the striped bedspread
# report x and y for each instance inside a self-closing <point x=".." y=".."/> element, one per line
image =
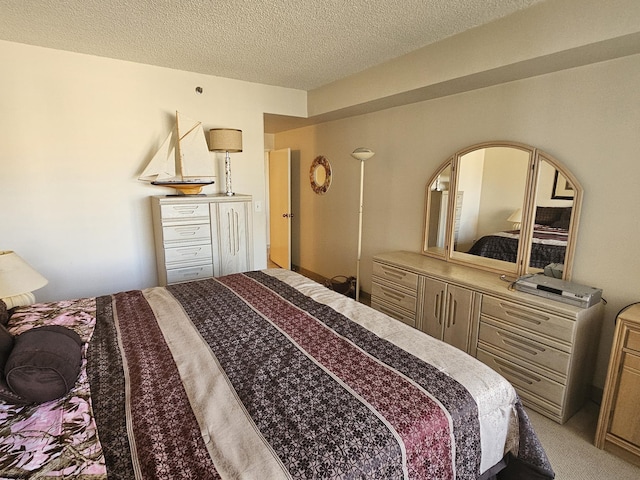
<point x="267" y="375"/>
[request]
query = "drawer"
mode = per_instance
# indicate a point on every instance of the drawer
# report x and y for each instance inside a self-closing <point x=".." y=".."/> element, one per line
<point x="184" y="211"/>
<point x="534" y="320"/>
<point x="523" y="378"/>
<point x="396" y="275"/>
<point x="633" y="340"/>
<point x="187" y="233"/>
<point x="176" y="275"/>
<point x="524" y="347"/>
<point x="191" y="253"/>
<point x="394" y="312"/>
<point x="393" y="296"/>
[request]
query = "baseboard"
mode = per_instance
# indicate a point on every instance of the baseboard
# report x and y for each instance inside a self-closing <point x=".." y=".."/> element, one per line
<point x="364" y="296"/>
<point x="595" y="394"/>
<point x="309" y="274"/>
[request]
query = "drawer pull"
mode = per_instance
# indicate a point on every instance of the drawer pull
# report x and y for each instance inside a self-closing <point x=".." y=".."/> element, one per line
<point x="524" y="315"/>
<point x="522" y="375"/>
<point x="391" y="313"/>
<point x="394" y="295"/>
<point x="394" y="273"/>
<point x="187" y="231"/>
<point x="184" y="210"/>
<point x="189" y="252"/>
<point x="523" y="345"/>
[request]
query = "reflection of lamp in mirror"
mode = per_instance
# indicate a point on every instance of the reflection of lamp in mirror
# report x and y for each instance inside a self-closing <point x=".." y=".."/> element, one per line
<point x="361" y="154"/>
<point x="226" y="140"/>
<point x="516" y="219"/>
<point x="17" y="280"/>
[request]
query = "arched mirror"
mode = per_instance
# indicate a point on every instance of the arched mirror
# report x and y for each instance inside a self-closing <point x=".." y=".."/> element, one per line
<point x="503" y="207"/>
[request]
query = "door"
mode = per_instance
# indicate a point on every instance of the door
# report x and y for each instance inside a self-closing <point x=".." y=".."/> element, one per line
<point x="280" y="207"/>
<point x="457" y="317"/>
<point x="448" y="313"/>
<point x="434" y="305"/>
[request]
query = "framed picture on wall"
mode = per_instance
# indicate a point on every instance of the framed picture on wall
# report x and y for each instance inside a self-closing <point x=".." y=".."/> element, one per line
<point x="562" y="189"/>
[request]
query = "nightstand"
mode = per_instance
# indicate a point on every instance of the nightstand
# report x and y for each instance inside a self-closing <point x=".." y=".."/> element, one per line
<point x="619" y="423"/>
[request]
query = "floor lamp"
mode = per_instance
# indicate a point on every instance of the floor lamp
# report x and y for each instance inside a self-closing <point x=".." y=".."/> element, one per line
<point x="360" y="154"/>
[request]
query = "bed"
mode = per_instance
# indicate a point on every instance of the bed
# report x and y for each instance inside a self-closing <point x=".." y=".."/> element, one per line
<point x="262" y="375"/>
<point x="549" y="242"/>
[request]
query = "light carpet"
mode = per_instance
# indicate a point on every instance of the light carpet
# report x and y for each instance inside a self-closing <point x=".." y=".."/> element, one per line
<point x="572" y="453"/>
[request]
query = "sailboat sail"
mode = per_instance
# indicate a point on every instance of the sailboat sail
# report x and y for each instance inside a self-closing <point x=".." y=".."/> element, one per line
<point x="161" y="166"/>
<point x="183" y="158"/>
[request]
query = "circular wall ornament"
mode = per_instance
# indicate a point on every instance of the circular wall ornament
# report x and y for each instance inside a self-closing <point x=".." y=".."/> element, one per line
<point x="320" y="175"/>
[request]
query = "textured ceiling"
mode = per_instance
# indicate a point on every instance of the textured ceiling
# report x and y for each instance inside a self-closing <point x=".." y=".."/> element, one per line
<point x="298" y="44"/>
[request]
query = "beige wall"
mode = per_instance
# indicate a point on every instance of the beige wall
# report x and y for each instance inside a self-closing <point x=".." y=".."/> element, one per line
<point x="76" y="132"/>
<point x="586" y="117"/>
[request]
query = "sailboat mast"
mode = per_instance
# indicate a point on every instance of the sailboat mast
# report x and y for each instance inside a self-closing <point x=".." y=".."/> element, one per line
<point x="180" y="164"/>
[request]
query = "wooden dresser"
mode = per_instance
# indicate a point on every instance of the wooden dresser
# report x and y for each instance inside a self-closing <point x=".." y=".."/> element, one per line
<point x="545" y="348"/>
<point x="201" y="236"/>
<point x="619" y="423"/>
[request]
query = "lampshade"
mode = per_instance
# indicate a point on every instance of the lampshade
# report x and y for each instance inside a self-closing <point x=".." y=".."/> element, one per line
<point x="225" y="140"/>
<point x="516" y="216"/>
<point x="17" y="278"/>
<point x="362" y="154"/>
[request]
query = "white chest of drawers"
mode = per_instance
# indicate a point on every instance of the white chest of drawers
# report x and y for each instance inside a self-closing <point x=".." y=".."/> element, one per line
<point x="201" y="236"/>
<point x="545" y="348"/>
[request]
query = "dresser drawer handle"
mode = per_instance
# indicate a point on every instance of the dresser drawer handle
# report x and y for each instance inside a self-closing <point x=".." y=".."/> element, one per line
<point x="524" y="315"/>
<point x="185" y="209"/>
<point x="391" y="313"/>
<point x="394" y="295"/>
<point x="522" y="375"/>
<point x="189" y="252"/>
<point x="394" y="273"/>
<point x="187" y="231"/>
<point x="530" y="348"/>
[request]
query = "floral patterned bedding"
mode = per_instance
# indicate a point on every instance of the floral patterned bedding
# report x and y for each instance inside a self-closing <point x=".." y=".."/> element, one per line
<point x="57" y="438"/>
<point x="262" y="375"/>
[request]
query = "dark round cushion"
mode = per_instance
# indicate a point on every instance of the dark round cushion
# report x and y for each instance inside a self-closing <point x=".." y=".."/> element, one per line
<point x="44" y="363"/>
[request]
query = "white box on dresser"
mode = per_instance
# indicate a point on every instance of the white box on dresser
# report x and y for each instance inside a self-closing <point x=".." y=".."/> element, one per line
<point x="545" y="348"/>
<point x="201" y="236"/>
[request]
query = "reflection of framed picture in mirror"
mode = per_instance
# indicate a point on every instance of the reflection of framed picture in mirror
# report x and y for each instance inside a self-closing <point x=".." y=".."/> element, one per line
<point x="562" y="189"/>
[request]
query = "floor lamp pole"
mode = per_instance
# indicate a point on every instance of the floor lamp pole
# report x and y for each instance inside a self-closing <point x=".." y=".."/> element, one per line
<point x="360" y="154"/>
<point x="359" y="231"/>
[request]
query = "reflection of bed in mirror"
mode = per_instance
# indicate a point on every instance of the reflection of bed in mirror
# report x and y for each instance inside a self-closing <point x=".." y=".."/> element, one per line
<point x="549" y="239"/>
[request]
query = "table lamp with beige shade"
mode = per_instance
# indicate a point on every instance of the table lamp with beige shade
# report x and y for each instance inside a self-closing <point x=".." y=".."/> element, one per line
<point x="18" y="280"/>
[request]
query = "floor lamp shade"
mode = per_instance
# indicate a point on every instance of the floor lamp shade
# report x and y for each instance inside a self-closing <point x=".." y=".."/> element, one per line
<point x="228" y="140"/>
<point x="17" y="280"/>
<point x="360" y="154"/>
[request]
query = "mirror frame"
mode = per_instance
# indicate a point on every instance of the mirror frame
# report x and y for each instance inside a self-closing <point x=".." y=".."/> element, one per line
<point x="320" y="162"/>
<point x="521" y="267"/>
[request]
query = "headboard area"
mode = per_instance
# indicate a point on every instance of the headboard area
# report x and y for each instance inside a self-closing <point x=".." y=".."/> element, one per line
<point x="555" y="217"/>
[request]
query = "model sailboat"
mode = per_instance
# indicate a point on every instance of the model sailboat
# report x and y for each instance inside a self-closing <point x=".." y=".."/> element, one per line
<point x="183" y="161"/>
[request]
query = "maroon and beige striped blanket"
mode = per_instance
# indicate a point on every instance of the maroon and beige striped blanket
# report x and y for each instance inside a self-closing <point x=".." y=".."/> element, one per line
<point x="266" y="375"/>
